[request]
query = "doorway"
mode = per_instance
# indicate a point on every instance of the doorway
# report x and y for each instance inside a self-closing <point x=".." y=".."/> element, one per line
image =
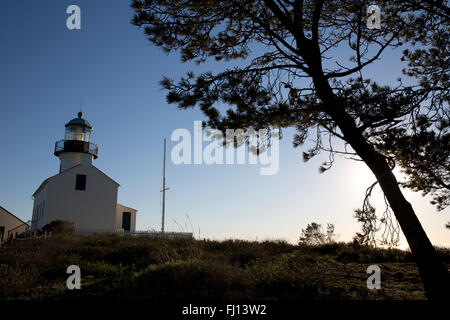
<point x="126" y="221"/>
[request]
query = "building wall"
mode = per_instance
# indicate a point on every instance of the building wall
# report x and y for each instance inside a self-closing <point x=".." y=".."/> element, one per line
<point x="10" y="222"/>
<point x="119" y="213"/>
<point x="71" y="159"/>
<point x="18" y="230"/>
<point x="39" y="209"/>
<point x="93" y="209"/>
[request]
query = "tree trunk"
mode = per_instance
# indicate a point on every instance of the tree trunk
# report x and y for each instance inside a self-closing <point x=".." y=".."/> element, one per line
<point x="434" y="274"/>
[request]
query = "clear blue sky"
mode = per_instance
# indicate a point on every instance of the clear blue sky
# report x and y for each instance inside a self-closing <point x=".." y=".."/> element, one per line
<point x="45" y="69"/>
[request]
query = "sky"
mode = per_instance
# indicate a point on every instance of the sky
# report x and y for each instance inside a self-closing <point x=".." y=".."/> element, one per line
<point x="47" y="71"/>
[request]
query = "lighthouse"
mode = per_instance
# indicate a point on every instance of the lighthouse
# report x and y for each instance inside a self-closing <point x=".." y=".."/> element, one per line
<point x="76" y="147"/>
<point x="80" y="193"/>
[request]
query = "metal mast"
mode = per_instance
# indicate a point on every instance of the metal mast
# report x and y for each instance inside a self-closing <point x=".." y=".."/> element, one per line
<point x="164" y="189"/>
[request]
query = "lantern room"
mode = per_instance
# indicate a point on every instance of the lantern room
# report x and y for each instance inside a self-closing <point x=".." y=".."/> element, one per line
<point x="76" y="147"/>
<point x="78" y="129"/>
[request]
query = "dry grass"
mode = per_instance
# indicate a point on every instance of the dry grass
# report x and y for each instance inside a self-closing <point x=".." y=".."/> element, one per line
<point x="115" y="267"/>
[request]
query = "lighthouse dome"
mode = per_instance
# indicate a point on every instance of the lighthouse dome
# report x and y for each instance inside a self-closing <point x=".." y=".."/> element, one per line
<point x="79" y="121"/>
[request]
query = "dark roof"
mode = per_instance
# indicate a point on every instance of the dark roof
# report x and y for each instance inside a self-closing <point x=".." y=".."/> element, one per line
<point x="79" y="121"/>
<point x="13" y="215"/>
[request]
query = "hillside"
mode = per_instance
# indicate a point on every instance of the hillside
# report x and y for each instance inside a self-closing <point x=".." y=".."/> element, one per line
<point x="133" y="268"/>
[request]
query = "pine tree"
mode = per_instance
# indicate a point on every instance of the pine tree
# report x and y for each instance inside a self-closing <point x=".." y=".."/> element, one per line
<point x="292" y="76"/>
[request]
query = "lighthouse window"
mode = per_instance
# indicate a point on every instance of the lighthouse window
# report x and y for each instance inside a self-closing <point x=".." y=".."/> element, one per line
<point x="81" y="182"/>
<point x="77" y="133"/>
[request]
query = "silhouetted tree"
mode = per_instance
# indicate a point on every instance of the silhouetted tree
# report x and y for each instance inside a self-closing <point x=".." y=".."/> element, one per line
<point x="294" y="76"/>
<point x="314" y="234"/>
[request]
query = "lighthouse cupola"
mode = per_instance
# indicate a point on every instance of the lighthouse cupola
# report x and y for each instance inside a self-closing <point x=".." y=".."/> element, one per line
<point x="76" y="148"/>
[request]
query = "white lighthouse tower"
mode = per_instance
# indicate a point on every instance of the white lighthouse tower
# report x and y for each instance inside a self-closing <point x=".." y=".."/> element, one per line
<point x="80" y="192"/>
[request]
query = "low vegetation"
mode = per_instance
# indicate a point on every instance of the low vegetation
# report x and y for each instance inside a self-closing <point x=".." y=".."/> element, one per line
<point x="58" y="227"/>
<point x="133" y="268"/>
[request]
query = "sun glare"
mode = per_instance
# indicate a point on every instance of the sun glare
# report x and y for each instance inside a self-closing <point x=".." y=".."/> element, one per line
<point x="364" y="176"/>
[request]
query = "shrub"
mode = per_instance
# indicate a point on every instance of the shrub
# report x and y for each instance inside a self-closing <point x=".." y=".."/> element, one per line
<point x="139" y="255"/>
<point x="16" y="280"/>
<point x="193" y="280"/>
<point x="325" y="249"/>
<point x="241" y="252"/>
<point x="287" y="277"/>
<point x="59" y="227"/>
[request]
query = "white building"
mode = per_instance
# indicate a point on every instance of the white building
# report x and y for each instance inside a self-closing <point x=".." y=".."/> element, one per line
<point x="80" y="192"/>
<point x="10" y="225"/>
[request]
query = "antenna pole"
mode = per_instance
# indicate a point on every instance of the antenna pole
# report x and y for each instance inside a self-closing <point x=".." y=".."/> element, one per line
<point x="164" y="189"/>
